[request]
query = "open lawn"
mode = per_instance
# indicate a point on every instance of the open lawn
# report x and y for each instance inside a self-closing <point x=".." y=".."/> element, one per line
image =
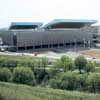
<point x="9" y="91"/>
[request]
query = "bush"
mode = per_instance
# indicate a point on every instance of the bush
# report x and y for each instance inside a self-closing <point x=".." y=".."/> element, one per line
<point x="69" y="81"/>
<point x="8" y="62"/>
<point x="1" y="97"/>
<point x="5" y="74"/>
<point x="41" y="76"/>
<point x="93" y="82"/>
<point x="65" y="64"/>
<point x="97" y="69"/>
<point x="66" y="81"/>
<point x="80" y="63"/>
<point x="81" y="82"/>
<point x="56" y="84"/>
<point x="23" y="75"/>
<point x="90" y="67"/>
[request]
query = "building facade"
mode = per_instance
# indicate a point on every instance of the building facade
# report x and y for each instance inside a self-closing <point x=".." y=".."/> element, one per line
<point x="55" y="34"/>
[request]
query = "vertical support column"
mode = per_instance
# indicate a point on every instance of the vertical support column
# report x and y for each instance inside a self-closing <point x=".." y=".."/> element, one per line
<point x="17" y="48"/>
<point x="57" y="44"/>
<point x="33" y="44"/>
<point x="75" y="44"/>
<point x="70" y="43"/>
<point x="25" y="43"/>
<point x="84" y="42"/>
<point x="89" y="43"/>
<point x="64" y="43"/>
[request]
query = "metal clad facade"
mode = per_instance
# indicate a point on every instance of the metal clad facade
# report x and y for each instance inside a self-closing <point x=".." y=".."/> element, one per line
<point x="32" y="38"/>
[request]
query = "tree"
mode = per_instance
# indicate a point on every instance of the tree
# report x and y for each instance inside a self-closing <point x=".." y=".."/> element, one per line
<point x="90" y="67"/>
<point x="23" y="75"/>
<point x="44" y="62"/>
<point x="5" y="74"/>
<point x="58" y="64"/>
<point x="80" y="63"/>
<point x="93" y="82"/>
<point x="65" y="63"/>
<point x="64" y="80"/>
<point x="68" y="81"/>
<point x="81" y="81"/>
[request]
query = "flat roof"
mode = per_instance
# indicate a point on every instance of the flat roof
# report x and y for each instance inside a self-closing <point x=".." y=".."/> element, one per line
<point x="26" y="23"/>
<point x="69" y="21"/>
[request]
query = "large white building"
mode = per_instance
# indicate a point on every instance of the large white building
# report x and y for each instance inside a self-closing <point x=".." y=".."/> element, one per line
<point x="55" y="34"/>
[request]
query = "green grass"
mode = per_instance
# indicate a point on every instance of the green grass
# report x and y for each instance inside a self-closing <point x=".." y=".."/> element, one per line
<point x="10" y="91"/>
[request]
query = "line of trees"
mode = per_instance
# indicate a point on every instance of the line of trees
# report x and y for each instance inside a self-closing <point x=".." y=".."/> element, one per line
<point x="64" y="73"/>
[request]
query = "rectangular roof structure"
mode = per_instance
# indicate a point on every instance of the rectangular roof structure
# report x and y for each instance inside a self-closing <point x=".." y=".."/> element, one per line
<point x="68" y="23"/>
<point x="25" y="25"/>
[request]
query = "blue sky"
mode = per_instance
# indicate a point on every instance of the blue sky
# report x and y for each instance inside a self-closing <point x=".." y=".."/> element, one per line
<point x="46" y="10"/>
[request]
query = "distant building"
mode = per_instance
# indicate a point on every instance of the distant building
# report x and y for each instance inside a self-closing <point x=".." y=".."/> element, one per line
<point x="55" y="34"/>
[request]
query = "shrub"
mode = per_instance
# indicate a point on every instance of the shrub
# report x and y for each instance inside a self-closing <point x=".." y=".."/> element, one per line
<point x="97" y="69"/>
<point x="54" y="83"/>
<point x="69" y="80"/>
<point x="8" y="62"/>
<point x="41" y="75"/>
<point x="5" y="74"/>
<point x="81" y="82"/>
<point x="80" y="63"/>
<point x="66" y="81"/>
<point x="23" y="75"/>
<point x="90" y="67"/>
<point x="42" y="63"/>
<point x="1" y="97"/>
<point x="65" y="63"/>
<point x="93" y="82"/>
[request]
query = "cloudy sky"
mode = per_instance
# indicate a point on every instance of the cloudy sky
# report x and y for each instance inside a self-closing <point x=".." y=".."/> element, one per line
<point x="46" y="10"/>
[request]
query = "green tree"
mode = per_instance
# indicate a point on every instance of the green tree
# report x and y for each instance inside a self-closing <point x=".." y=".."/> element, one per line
<point x="23" y="75"/>
<point x="5" y="74"/>
<point x="65" y="80"/>
<point x="81" y="82"/>
<point x="90" y="67"/>
<point x="93" y="82"/>
<point x="44" y="62"/>
<point x="68" y="81"/>
<point x="65" y="63"/>
<point x="80" y="63"/>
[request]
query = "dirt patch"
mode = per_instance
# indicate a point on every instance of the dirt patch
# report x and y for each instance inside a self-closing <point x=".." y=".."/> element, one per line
<point x="93" y="53"/>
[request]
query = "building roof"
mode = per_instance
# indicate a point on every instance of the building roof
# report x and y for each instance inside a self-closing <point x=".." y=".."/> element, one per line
<point x="64" y="22"/>
<point x="25" y="25"/>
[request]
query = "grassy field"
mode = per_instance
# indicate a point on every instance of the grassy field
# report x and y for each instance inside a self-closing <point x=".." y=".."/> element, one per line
<point x="9" y="91"/>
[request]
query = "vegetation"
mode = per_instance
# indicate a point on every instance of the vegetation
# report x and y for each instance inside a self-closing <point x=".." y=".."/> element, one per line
<point x="93" y="81"/>
<point x="5" y="75"/>
<point x="65" y="63"/>
<point x="23" y="75"/>
<point x="80" y="63"/>
<point x="9" y="91"/>
<point x="64" y="73"/>
<point x="90" y="67"/>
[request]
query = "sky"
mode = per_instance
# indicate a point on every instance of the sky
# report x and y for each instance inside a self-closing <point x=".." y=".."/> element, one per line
<point x="47" y="10"/>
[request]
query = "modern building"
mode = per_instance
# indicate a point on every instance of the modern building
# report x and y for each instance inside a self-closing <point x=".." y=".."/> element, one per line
<point x="55" y="34"/>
